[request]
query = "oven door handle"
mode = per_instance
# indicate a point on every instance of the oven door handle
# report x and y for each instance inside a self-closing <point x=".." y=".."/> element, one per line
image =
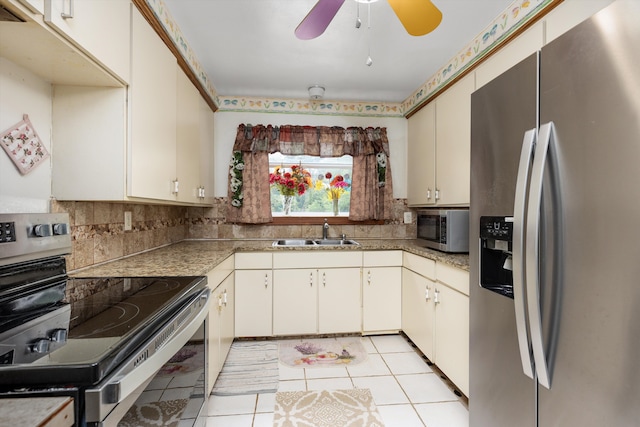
<point x="142" y="365"/>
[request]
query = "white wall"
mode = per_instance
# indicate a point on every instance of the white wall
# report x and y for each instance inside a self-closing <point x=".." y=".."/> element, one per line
<point x="226" y="125"/>
<point x="21" y="92"/>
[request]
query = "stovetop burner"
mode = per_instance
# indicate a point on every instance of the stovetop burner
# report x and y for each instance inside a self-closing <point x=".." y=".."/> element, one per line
<point x="105" y="327"/>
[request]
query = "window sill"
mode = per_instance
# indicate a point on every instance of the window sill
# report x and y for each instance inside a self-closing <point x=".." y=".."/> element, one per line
<point x="319" y="220"/>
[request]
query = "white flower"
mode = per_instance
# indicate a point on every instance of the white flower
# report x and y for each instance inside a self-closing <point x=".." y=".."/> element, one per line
<point x="382" y="159"/>
<point x="236" y="203"/>
<point x="234" y="187"/>
<point x="235" y="181"/>
<point x="239" y="166"/>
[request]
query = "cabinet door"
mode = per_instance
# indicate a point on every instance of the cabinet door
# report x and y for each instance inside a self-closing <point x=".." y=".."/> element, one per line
<point x="227" y="316"/>
<point x="421" y="157"/>
<point x="206" y="152"/>
<point x="213" y="339"/>
<point x="100" y="28"/>
<point x="381" y="299"/>
<point x="452" y="335"/>
<point x="453" y="136"/>
<point x="152" y="164"/>
<point x="295" y="302"/>
<point x="187" y="139"/>
<point x="253" y="303"/>
<point x="339" y="300"/>
<point x="417" y="311"/>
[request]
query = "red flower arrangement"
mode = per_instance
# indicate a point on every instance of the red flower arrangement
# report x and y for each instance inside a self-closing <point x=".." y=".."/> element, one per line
<point x="291" y="183"/>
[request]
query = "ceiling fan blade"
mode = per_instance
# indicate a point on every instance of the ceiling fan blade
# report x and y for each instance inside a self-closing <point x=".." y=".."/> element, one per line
<point x="318" y="19"/>
<point x="419" y="17"/>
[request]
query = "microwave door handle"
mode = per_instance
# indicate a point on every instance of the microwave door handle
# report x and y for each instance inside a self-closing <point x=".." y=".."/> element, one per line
<point x="533" y="254"/>
<point x="524" y="168"/>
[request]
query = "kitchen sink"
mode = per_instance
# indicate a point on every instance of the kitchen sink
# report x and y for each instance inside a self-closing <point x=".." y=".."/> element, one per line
<point x="330" y="242"/>
<point x="316" y="242"/>
<point x="294" y="242"/>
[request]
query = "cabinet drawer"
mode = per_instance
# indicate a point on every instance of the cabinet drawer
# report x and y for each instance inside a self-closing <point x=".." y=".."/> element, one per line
<point x="253" y="260"/>
<point x="382" y="259"/>
<point x="453" y="277"/>
<point x="423" y="266"/>
<point x="317" y="259"/>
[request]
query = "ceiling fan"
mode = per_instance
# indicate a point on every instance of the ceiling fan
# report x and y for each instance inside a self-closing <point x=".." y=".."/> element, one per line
<point x="418" y="17"/>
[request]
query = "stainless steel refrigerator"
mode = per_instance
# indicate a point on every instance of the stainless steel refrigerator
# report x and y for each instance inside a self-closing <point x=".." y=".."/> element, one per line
<point x="555" y="233"/>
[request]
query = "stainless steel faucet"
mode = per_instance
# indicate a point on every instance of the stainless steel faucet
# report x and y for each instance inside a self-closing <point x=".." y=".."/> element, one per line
<point x="325" y="230"/>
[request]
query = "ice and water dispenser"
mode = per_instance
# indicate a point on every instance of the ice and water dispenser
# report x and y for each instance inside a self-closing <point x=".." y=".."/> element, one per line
<point x="496" y="243"/>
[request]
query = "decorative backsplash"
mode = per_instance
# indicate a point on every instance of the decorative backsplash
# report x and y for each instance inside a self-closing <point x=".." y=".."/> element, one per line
<point x="511" y="19"/>
<point x="98" y="236"/>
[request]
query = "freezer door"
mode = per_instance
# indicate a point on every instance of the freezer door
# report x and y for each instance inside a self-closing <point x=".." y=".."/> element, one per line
<point x="502" y="111"/>
<point x="590" y="90"/>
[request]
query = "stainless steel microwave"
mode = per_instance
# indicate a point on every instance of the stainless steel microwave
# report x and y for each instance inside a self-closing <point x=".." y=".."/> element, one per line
<point x="446" y="230"/>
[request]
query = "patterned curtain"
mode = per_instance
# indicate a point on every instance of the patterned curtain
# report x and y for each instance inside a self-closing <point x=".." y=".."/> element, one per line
<point x="371" y="187"/>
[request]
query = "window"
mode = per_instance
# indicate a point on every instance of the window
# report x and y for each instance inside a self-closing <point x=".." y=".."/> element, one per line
<point x="317" y="198"/>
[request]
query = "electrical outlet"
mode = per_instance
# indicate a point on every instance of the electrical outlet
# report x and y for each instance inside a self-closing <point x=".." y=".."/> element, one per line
<point x="408" y="217"/>
<point x="127" y="221"/>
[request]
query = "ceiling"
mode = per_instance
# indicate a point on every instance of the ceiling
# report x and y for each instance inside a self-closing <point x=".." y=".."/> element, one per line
<point x="248" y="47"/>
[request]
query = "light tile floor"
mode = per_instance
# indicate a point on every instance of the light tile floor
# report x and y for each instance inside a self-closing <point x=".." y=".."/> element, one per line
<point x="407" y="392"/>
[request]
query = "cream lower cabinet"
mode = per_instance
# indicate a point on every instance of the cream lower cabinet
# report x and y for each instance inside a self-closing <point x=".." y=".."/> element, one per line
<point x="221" y="317"/>
<point x="418" y="311"/>
<point x="435" y="314"/>
<point x="451" y="299"/>
<point x="316" y="292"/>
<point x="295" y="302"/>
<point x="382" y="291"/>
<point x="339" y="306"/>
<point x="254" y="294"/>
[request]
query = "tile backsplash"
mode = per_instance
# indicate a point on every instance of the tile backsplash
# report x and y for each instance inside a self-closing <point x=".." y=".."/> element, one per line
<point x="97" y="228"/>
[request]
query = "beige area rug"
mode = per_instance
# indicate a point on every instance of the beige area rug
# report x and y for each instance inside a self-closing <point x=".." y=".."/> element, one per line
<point x="322" y="408"/>
<point x="166" y="413"/>
<point x="322" y="352"/>
<point x="250" y="368"/>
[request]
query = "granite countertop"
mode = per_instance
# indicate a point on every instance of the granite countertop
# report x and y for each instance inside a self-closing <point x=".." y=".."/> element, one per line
<point x="197" y="257"/>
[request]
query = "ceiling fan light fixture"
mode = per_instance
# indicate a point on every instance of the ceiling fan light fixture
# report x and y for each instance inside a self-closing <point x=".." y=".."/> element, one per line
<point x="316" y="92"/>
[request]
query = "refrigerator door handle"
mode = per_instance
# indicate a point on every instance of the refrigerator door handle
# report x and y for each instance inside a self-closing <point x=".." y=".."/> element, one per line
<point x="524" y="169"/>
<point x="533" y="255"/>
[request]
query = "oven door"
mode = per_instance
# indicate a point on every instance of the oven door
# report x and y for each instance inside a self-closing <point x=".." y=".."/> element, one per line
<point x="108" y="402"/>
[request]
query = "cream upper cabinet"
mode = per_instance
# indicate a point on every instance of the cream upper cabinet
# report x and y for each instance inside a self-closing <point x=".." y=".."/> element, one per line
<point x="100" y="28"/>
<point x="36" y="6"/>
<point x="421" y="162"/>
<point x="152" y="107"/>
<point x="206" y="152"/>
<point x="439" y="148"/>
<point x="187" y="139"/>
<point x="453" y="139"/>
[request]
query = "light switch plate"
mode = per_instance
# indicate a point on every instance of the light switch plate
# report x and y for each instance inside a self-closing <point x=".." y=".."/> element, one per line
<point x="408" y="217"/>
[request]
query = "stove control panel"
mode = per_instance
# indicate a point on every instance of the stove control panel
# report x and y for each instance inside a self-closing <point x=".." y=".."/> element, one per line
<point x="26" y="237"/>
